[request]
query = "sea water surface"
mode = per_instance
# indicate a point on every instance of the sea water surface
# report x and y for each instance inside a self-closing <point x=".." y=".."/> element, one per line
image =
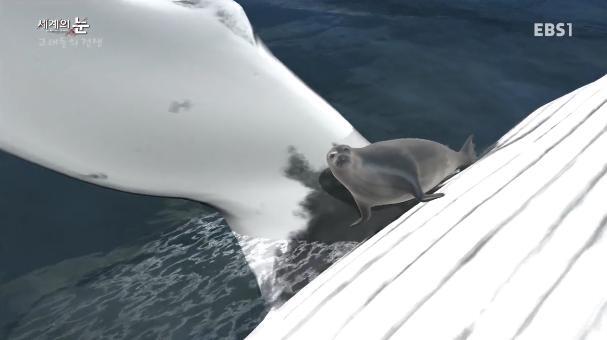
<point x="82" y="262"/>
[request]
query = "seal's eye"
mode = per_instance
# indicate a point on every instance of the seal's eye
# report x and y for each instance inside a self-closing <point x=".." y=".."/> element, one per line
<point x="346" y="150"/>
<point x="332" y="155"/>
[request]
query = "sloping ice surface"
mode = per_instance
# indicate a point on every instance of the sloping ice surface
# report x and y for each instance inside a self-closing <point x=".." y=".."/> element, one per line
<point x="515" y="249"/>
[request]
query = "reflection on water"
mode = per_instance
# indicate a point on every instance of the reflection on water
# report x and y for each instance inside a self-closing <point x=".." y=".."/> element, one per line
<point x="191" y="282"/>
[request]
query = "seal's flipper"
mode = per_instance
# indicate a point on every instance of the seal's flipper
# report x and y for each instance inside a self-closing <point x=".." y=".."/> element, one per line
<point x="430" y="197"/>
<point x="365" y="213"/>
<point x="407" y="179"/>
<point x="419" y="193"/>
<point x="467" y="152"/>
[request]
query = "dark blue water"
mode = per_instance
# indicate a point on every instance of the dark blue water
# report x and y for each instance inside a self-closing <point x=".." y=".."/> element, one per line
<point x="435" y="69"/>
<point x="79" y="261"/>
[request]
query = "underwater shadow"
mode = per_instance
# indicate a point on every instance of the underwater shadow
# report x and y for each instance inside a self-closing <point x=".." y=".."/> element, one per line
<point x="330" y="207"/>
<point x="328" y="236"/>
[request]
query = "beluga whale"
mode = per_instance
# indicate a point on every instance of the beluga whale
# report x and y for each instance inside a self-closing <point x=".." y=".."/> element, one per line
<point x="395" y="171"/>
<point x="206" y="122"/>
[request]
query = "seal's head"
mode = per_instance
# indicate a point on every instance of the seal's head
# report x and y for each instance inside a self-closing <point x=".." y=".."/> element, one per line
<point x="339" y="157"/>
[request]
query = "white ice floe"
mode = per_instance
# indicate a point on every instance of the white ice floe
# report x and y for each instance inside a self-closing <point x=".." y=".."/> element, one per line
<point x="513" y="250"/>
<point x="168" y="98"/>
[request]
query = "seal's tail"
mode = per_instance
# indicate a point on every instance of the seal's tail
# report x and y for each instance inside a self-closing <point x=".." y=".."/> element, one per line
<point x="467" y="152"/>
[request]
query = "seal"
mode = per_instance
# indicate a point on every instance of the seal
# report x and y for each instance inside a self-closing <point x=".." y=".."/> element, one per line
<point x="396" y="171"/>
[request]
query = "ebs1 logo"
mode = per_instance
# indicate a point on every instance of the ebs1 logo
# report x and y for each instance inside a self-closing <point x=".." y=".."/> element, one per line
<point x="547" y="29"/>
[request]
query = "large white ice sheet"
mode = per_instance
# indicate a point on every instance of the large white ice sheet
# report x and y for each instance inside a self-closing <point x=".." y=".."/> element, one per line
<point x="515" y="249"/>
